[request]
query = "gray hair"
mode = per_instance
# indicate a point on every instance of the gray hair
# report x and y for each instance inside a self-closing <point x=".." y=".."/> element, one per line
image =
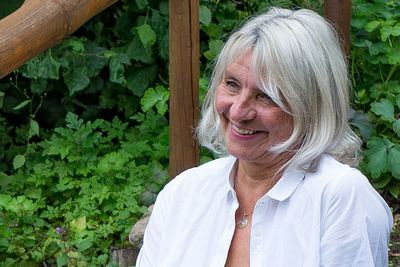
<point x="298" y="62"/>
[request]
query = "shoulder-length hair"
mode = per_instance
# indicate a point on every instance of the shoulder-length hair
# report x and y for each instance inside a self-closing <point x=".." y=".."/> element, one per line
<point x="297" y="61"/>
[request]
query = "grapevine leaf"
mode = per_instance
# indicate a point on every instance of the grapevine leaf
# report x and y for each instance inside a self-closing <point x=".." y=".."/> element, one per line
<point x="385" y="109"/>
<point x="18" y="161"/>
<point x="205" y="15"/>
<point x="49" y="68"/>
<point x="117" y="70"/>
<point x="135" y="50"/>
<point x="376" y="156"/>
<point x="95" y="60"/>
<point x="21" y="105"/>
<point x="146" y="35"/>
<point x="394" y="161"/>
<point x="157" y="97"/>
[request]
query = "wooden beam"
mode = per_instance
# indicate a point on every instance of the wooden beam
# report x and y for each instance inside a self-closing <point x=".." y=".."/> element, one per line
<point x="39" y="24"/>
<point x="184" y="47"/>
<point x="339" y="13"/>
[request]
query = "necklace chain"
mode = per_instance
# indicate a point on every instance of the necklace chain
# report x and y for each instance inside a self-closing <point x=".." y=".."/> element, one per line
<point x="242" y="223"/>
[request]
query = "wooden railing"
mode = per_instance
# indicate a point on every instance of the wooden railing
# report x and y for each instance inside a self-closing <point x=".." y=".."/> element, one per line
<point x="38" y="25"/>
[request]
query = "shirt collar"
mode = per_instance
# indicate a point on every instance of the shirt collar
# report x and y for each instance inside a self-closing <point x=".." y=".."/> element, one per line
<point x="282" y="190"/>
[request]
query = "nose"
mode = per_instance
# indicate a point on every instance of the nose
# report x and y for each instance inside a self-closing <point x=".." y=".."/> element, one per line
<point x="243" y="108"/>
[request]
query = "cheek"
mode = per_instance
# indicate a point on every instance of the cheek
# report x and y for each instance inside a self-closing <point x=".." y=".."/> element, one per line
<point x="221" y="101"/>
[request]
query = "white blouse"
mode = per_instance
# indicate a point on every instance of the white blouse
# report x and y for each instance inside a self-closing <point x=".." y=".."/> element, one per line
<point x="332" y="217"/>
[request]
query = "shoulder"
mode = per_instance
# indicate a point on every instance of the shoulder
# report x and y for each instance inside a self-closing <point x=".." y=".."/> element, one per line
<point x="208" y="177"/>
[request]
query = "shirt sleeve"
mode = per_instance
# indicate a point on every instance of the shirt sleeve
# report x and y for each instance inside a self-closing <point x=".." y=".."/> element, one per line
<point x="357" y="224"/>
<point x="149" y="251"/>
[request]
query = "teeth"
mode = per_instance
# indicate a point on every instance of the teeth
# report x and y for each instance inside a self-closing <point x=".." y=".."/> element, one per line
<point x="242" y="131"/>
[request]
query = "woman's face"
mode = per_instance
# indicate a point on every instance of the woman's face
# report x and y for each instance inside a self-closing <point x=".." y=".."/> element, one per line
<point x="251" y="121"/>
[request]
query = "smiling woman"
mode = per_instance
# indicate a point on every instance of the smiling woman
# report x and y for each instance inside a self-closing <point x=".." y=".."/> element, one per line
<point x="285" y="194"/>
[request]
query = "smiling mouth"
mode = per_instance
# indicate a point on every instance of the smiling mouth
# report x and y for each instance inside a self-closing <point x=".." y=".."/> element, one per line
<point x="243" y="131"/>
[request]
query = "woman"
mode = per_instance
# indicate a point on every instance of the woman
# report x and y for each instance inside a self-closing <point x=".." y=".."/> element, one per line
<point x="284" y="196"/>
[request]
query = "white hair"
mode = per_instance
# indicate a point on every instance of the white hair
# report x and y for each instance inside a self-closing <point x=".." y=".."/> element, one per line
<point x="298" y="62"/>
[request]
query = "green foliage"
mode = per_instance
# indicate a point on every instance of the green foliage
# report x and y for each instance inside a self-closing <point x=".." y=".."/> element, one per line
<point x="376" y="83"/>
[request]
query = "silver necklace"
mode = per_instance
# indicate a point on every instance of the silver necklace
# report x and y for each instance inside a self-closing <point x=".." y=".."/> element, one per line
<point x="242" y="223"/>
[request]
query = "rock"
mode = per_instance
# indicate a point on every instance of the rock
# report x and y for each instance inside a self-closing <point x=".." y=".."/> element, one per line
<point x="137" y="232"/>
<point x="124" y="256"/>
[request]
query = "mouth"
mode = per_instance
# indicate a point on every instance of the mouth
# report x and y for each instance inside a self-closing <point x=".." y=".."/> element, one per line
<point x="243" y="131"/>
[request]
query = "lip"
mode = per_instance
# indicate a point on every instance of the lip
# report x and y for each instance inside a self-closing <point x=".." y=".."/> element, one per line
<point x="243" y="136"/>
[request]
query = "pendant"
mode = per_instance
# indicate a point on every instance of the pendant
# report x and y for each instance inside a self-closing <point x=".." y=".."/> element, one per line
<point x="242" y="223"/>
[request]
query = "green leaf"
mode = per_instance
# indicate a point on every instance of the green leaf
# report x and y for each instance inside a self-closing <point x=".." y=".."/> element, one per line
<point x="34" y="127"/>
<point x="363" y="122"/>
<point x="372" y="25"/>
<point x="157" y="97"/>
<point x="21" y="105"/>
<point x="76" y="75"/>
<point x="384" y="109"/>
<point x="394" y="189"/>
<point x="62" y="260"/>
<point x="139" y="80"/>
<point x="146" y="35"/>
<point x="79" y="224"/>
<point x="398" y="101"/>
<point x="4" y="242"/>
<point x="72" y="121"/>
<point x="142" y="3"/>
<point x="49" y="68"/>
<point x="18" y="161"/>
<point x="376" y="156"/>
<point x="386" y="31"/>
<point x="1" y="99"/>
<point x="117" y="70"/>
<point x="205" y="15"/>
<point x="85" y="244"/>
<point x="394" y="161"/>
<point x="396" y="127"/>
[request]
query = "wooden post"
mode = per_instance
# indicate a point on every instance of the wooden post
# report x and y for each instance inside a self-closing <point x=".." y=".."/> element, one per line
<point x="39" y="24"/>
<point x="339" y="12"/>
<point x="184" y="84"/>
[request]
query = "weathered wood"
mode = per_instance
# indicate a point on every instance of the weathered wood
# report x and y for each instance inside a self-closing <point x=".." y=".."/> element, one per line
<point x="184" y="84"/>
<point x="339" y="12"/>
<point x="39" y="24"/>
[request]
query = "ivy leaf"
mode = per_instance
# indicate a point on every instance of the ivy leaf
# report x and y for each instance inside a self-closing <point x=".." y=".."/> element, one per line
<point x="18" y="161"/>
<point x="376" y="156"/>
<point x="396" y="127"/>
<point x="85" y="244"/>
<point x="385" y="109"/>
<point x="21" y="105"/>
<point x="394" y="161"/>
<point x="205" y="15"/>
<point x="34" y="127"/>
<point x="157" y="97"/>
<point x="146" y="35"/>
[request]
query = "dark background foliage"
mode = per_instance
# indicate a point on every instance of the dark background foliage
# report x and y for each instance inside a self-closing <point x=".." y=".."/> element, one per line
<point x="84" y="125"/>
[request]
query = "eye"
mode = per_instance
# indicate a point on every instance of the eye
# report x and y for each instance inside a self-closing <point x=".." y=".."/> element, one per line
<point x="232" y="84"/>
<point x="265" y="98"/>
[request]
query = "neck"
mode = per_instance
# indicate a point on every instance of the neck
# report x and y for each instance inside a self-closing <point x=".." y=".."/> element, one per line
<point x="254" y="179"/>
